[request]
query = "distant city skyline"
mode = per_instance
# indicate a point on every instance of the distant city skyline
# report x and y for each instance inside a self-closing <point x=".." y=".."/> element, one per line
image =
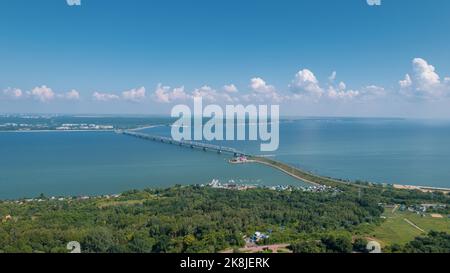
<point x="313" y="58"/>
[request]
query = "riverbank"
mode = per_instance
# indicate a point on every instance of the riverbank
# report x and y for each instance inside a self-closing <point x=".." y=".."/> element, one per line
<point x="422" y="188"/>
<point x="80" y="130"/>
<point x="290" y="173"/>
<point x="318" y="180"/>
<point x="53" y="131"/>
<point x="299" y="174"/>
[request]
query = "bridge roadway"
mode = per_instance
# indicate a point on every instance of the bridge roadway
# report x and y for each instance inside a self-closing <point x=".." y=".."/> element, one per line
<point x="185" y="143"/>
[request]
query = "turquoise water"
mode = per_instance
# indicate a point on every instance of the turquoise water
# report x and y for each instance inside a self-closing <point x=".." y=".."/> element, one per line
<point x="412" y="152"/>
<point x="92" y="163"/>
<point x="392" y="151"/>
<point x="415" y="152"/>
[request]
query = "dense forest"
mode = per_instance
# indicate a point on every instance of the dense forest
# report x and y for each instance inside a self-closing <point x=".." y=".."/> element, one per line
<point x="201" y="219"/>
<point x="434" y="242"/>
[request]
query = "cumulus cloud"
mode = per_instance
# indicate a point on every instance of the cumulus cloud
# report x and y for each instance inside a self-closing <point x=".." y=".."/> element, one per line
<point x="425" y="74"/>
<point x="206" y="92"/>
<point x="373" y="91"/>
<point x="42" y="93"/>
<point x="306" y="83"/>
<point x="71" y="95"/>
<point x="211" y="95"/>
<point x="231" y="88"/>
<point x="424" y="81"/>
<point x="73" y="2"/>
<point x="305" y="86"/>
<point x="261" y="91"/>
<point x="104" y="96"/>
<point x="340" y="92"/>
<point x="14" y="93"/>
<point x="407" y="82"/>
<point x="134" y="95"/>
<point x="258" y="85"/>
<point x="165" y="94"/>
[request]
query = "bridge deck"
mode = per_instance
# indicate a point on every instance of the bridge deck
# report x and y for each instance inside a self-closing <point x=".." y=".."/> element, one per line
<point x="186" y="143"/>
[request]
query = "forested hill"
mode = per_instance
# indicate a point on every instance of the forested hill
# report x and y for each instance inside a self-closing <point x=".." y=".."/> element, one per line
<point x="179" y="219"/>
<point x="183" y="219"/>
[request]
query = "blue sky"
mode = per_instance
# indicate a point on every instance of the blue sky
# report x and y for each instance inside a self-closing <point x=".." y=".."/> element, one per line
<point x="141" y="56"/>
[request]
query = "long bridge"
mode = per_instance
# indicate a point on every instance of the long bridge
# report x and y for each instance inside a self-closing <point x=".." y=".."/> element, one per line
<point x="185" y="143"/>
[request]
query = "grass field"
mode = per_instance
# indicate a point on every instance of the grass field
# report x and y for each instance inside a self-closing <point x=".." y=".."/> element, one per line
<point x="395" y="229"/>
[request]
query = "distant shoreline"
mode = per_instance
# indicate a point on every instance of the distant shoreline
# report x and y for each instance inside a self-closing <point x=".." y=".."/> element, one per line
<point x="397" y="186"/>
<point x="52" y="131"/>
<point x="422" y="188"/>
<point x="325" y="180"/>
<point x="80" y="130"/>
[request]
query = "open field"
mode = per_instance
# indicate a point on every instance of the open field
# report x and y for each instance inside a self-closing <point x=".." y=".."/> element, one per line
<point x="397" y="228"/>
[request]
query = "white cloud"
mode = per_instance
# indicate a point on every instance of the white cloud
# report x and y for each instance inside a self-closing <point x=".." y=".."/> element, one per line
<point x="373" y="91"/>
<point x="73" y="2"/>
<point x="211" y="95"/>
<point x="164" y="94"/>
<point x="366" y="93"/>
<point x="425" y="74"/>
<point x="424" y="81"/>
<point x="231" y="88"/>
<point x="332" y="77"/>
<point x="262" y="92"/>
<point x="42" y="93"/>
<point x="206" y="92"/>
<point x="407" y="82"/>
<point x="340" y="92"/>
<point x="306" y="83"/>
<point x="71" y="95"/>
<point x="134" y="95"/>
<point x="104" y="96"/>
<point x="258" y="85"/>
<point x="14" y="93"/>
<point x="306" y="86"/>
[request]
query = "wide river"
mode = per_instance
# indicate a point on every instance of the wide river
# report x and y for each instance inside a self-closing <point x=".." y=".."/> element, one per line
<point x="414" y="152"/>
